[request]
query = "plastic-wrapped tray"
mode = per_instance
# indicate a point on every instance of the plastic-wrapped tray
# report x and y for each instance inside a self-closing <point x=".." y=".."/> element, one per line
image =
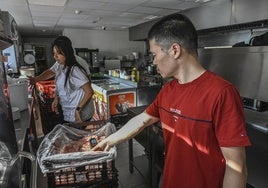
<point x="52" y="155"/>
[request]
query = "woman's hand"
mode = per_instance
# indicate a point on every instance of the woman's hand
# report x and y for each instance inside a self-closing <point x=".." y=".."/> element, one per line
<point x="55" y="104"/>
<point x="78" y="116"/>
<point x="32" y="80"/>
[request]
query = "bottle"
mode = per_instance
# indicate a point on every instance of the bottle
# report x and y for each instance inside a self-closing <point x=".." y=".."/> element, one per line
<point x="133" y="74"/>
<point x="137" y="76"/>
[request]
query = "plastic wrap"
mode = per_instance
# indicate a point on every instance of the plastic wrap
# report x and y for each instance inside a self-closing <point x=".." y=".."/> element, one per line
<point x="51" y="159"/>
<point x="5" y="159"/>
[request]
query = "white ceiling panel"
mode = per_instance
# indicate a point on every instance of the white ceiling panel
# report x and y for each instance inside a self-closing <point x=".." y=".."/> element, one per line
<point x="103" y="13"/>
<point x="43" y="24"/>
<point x="76" y="17"/>
<point x="84" y="5"/>
<point x="187" y="5"/>
<point x="45" y="14"/>
<point x="163" y="12"/>
<point x="169" y="4"/>
<point x="8" y="3"/>
<point x="132" y="15"/>
<point x="34" y="16"/>
<point x="145" y="10"/>
<point x="57" y="3"/>
<point x="129" y="2"/>
<point x="45" y="19"/>
<point x="48" y="9"/>
<point x="115" y="7"/>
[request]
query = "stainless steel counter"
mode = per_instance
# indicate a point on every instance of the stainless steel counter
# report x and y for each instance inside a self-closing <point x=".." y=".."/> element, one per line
<point x="257" y="120"/>
<point x="257" y="153"/>
<point x="151" y="139"/>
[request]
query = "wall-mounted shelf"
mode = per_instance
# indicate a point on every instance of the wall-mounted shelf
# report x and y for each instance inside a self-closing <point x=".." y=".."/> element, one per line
<point x="5" y="43"/>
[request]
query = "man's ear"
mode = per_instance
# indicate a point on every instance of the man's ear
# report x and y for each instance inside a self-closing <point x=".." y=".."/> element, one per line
<point x="176" y="50"/>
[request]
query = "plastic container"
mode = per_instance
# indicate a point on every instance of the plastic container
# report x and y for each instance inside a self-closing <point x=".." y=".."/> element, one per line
<point x="77" y="168"/>
<point x="96" y="175"/>
<point x="18" y="93"/>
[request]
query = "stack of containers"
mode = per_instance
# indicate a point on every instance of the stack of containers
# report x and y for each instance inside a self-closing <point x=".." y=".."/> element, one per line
<point x="46" y="92"/>
<point x="77" y="168"/>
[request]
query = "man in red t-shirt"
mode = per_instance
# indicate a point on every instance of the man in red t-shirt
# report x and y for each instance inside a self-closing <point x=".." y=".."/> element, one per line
<point x="201" y="114"/>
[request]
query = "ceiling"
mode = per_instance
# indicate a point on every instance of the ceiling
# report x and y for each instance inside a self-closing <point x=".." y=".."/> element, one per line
<point x="50" y="17"/>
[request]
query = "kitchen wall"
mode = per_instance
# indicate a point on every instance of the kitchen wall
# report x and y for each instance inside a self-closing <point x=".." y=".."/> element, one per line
<point x="110" y="43"/>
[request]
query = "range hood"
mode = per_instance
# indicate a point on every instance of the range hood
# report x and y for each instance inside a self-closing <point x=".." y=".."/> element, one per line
<point x="223" y="14"/>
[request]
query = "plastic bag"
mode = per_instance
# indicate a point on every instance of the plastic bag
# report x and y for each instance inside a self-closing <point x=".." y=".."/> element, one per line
<point x="51" y="159"/>
<point x="5" y="159"/>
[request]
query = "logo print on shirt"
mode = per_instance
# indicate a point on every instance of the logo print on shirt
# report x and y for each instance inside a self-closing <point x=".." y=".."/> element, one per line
<point x="174" y="110"/>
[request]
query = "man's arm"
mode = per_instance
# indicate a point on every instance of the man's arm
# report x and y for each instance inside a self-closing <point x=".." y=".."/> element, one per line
<point x="236" y="169"/>
<point x="133" y="127"/>
<point x="47" y="74"/>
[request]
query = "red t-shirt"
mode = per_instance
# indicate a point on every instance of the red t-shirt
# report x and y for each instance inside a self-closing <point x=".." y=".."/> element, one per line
<point x="197" y="119"/>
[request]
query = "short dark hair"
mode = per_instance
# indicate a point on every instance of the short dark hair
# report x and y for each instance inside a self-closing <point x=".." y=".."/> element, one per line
<point x="175" y="28"/>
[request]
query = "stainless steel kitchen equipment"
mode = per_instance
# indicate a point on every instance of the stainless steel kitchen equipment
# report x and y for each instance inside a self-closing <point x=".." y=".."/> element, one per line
<point x="91" y="56"/>
<point x="257" y="153"/>
<point x="255" y="104"/>
<point x="247" y="69"/>
<point x="11" y="162"/>
<point x="113" y="96"/>
<point x="7" y="132"/>
<point x="151" y="139"/>
<point x="111" y="64"/>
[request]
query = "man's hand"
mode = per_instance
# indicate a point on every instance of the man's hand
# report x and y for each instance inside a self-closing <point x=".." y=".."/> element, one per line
<point x="102" y="146"/>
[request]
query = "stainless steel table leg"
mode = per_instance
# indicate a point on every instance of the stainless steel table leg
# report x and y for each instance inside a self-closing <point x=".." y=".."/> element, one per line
<point x="130" y="151"/>
<point x="33" y="165"/>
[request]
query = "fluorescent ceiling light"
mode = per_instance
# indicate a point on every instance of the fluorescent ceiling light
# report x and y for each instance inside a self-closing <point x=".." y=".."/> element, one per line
<point x="77" y="11"/>
<point x="58" y="3"/>
<point x="203" y="1"/>
<point x="150" y="17"/>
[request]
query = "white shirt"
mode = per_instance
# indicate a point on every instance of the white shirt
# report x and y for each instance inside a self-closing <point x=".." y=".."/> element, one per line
<point x="72" y="94"/>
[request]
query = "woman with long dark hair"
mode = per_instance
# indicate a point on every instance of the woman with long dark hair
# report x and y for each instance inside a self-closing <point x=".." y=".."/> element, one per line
<point x="73" y="86"/>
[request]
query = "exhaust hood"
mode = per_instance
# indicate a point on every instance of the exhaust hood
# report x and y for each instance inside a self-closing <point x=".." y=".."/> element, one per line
<point x="218" y="15"/>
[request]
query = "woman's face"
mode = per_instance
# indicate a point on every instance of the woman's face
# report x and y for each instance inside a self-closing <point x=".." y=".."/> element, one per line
<point x="58" y="55"/>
